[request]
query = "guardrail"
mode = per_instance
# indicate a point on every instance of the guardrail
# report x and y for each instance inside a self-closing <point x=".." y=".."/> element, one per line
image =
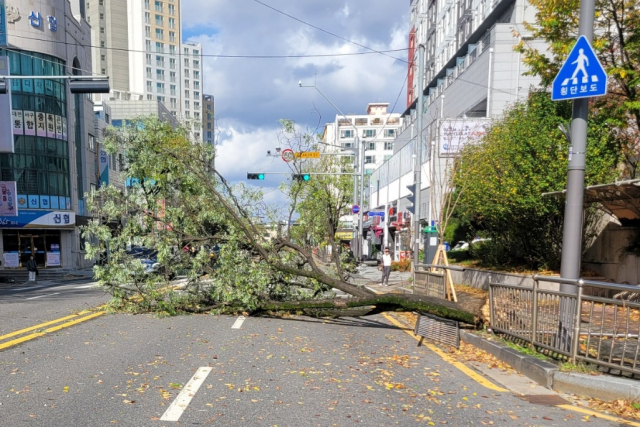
<point x="431" y="282"/>
<point x="580" y="326"/>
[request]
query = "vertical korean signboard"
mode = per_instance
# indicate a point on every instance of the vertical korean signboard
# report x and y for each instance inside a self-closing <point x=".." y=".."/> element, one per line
<point x="8" y="205"/>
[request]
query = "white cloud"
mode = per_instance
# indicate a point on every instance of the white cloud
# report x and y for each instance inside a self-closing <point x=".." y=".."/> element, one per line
<point x="252" y="94"/>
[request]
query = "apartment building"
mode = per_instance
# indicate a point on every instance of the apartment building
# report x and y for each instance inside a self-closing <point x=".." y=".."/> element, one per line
<point x="138" y="44"/>
<point x="376" y="131"/>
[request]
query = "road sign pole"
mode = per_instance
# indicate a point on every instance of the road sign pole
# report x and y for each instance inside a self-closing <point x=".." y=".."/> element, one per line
<point x="574" y="209"/>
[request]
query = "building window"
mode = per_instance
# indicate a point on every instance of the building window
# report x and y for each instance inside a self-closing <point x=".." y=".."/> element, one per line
<point x="103" y="57"/>
<point x="101" y="16"/>
<point x="149" y="73"/>
<point x="159" y="47"/>
<point x="388" y="145"/>
<point x="104" y="71"/>
<point x="172" y="9"/>
<point x="172" y="36"/>
<point x="147" y="45"/>
<point x="172" y="76"/>
<point x="147" y="31"/>
<point x="372" y="146"/>
<point x="196" y="64"/>
<point x="369" y="159"/>
<point x="196" y="75"/>
<point x="160" y="87"/>
<point x="149" y="86"/>
<point x="173" y="102"/>
<point x="196" y="105"/>
<point x="159" y="20"/>
<point x="172" y="64"/>
<point x="186" y="105"/>
<point x="147" y="18"/>
<point x="172" y="22"/>
<point x="159" y="7"/>
<point x="186" y="94"/>
<point x="346" y="133"/>
<point x="92" y="142"/>
<point x="196" y="85"/>
<point x="101" y="44"/>
<point x="148" y="59"/>
<point x="159" y="34"/>
<point x="186" y="83"/>
<point x="196" y="95"/>
<point x="146" y="4"/>
<point x="389" y="133"/>
<point x="186" y="73"/>
<point x="172" y="88"/>
<point x="369" y="133"/>
<point x="186" y="62"/>
<point x="159" y="74"/>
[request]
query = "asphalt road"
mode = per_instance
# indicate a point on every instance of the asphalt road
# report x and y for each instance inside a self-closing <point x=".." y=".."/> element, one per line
<point x="219" y="370"/>
<point x="30" y="303"/>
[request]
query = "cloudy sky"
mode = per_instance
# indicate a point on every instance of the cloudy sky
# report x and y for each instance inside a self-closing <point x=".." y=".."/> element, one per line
<point x="256" y="52"/>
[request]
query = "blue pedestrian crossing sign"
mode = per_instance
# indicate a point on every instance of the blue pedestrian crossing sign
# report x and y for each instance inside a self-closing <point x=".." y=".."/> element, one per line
<point x="581" y="76"/>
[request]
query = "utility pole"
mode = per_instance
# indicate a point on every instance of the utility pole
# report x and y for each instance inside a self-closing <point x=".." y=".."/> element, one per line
<point x="418" y="164"/>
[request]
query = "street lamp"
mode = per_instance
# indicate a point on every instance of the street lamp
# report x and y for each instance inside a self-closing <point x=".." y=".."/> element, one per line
<point x="360" y="152"/>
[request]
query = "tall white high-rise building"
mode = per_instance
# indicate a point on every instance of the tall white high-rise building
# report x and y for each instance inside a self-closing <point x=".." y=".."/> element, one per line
<point x="138" y="44"/>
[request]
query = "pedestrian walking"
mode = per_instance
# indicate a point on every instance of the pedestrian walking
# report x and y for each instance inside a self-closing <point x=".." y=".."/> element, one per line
<point x="386" y="267"/>
<point x="32" y="268"/>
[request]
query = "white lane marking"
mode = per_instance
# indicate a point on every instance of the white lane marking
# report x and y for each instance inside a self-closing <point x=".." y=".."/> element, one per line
<point x="90" y="285"/>
<point x="27" y="289"/>
<point x="42" y="296"/>
<point x="179" y="405"/>
<point x="238" y="322"/>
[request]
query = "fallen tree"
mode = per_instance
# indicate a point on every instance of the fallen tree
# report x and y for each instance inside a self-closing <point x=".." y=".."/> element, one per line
<point x="237" y="253"/>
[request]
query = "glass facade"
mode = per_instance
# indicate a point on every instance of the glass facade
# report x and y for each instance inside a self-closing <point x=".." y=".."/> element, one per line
<point x="40" y="163"/>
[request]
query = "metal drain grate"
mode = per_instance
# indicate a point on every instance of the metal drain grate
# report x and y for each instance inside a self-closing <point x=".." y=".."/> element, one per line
<point x="437" y="329"/>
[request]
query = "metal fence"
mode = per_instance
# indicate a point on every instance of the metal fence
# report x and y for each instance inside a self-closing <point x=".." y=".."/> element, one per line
<point x="582" y="326"/>
<point x="431" y="282"/>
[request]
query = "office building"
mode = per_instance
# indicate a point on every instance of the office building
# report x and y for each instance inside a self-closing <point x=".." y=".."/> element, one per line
<point x="48" y="160"/>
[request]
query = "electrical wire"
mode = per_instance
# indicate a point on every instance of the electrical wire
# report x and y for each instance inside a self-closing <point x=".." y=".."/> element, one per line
<point x="211" y="55"/>
<point x="328" y="32"/>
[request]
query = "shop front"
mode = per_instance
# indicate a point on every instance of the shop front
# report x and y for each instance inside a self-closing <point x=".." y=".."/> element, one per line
<point x="41" y="234"/>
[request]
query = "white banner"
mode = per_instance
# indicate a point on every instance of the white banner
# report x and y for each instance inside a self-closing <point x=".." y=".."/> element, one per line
<point x="11" y="260"/>
<point x="456" y="133"/>
<point x="29" y="123"/>
<point x="17" y="122"/>
<point x="53" y="259"/>
<point x="8" y="205"/>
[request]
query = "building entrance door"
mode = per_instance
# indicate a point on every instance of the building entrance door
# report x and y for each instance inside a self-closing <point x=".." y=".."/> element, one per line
<point x="36" y="243"/>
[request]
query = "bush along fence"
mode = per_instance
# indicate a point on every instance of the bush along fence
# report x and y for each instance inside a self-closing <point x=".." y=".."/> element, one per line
<point x="598" y="323"/>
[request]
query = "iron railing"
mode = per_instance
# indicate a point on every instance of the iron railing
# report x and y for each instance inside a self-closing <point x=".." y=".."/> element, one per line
<point x="606" y="330"/>
<point x="431" y="282"/>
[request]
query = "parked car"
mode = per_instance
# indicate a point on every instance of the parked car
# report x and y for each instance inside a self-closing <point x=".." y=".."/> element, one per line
<point x="149" y="259"/>
<point x="461" y="246"/>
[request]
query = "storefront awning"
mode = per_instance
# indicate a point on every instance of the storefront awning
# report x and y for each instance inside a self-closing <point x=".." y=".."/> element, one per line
<point x="621" y="198"/>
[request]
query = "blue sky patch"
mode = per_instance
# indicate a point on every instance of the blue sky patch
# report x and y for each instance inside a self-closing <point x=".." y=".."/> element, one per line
<point x="190" y="32"/>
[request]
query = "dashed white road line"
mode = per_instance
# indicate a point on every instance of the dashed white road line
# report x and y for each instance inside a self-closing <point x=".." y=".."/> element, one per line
<point x="90" y="285"/>
<point x="42" y="296"/>
<point x="174" y="412"/>
<point x="238" y="322"/>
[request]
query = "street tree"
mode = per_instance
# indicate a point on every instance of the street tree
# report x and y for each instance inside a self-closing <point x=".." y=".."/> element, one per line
<point x="524" y="155"/>
<point x="616" y="41"/>
<point x="178" y="205"/>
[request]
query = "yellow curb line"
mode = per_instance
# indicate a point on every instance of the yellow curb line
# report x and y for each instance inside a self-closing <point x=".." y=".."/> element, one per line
<point x="49" y="330"/>
<point x="481" y="380"/>
<point x="598" y="415"/>
<point x="467" y="371"/>
<point x="41" y="325"/>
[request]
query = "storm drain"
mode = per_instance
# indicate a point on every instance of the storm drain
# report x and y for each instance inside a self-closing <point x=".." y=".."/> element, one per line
<point x="434" y="328"/>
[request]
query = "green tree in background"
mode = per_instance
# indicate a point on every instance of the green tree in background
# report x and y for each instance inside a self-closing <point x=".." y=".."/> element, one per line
<point x="523" y="156"/>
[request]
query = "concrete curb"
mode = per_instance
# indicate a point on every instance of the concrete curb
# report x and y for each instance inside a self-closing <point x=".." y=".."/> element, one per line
<point x="605" y="387"/>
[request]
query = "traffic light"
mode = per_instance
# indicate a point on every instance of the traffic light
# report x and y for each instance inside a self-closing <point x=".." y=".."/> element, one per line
<point x="412" y="198"/>
<point x="301" y="176"/>
<point x="259" y="176"/>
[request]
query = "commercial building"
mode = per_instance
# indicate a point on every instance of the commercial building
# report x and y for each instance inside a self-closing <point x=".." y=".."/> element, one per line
<point x="376" y="132"/>
<point x="48" y="160"/>
<point x="470" y="73"/>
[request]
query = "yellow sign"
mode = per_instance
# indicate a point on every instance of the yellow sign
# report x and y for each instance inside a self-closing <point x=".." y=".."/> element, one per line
<point x="344" y="235"/>
<point x="308" y="155"/>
